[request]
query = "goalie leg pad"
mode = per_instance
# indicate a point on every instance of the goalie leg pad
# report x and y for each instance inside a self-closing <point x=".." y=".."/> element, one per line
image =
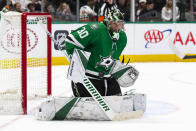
<point x="139" y="102"/>
<point x="87" y="109"/>
<point x="46" y="111"/>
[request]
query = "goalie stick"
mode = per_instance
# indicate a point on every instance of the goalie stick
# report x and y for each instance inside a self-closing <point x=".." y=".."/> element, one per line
<point x="96" y="95"/>
<point x="178" y="53"/>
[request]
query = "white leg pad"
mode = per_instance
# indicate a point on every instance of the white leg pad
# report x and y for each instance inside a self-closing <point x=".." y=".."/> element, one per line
<point x="87" y="109"/>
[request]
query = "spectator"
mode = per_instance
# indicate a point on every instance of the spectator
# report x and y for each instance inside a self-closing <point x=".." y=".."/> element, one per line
<point x="23" y="3"/>
<point x="17" y="7"/>
<point x="149" y="7"/>
<point x="87" y="12"/>
<point x="31" y="7"/>
<point x="55" y="3"/>
<point x="122" y="6"/>
<point x="166" y="13"/>
<point x="37" y="5"/>
<point x="141" y="6"/>
<point x="106" y="7"/>
<point x="64" y="12"/>
<point x="72" y="4"/>
<point x="50" y="9"/>
<point x="148" y="13"/>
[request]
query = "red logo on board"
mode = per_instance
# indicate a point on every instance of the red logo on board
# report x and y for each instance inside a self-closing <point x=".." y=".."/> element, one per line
<point x="11" y="40"/>
<point x="153" y="36"/>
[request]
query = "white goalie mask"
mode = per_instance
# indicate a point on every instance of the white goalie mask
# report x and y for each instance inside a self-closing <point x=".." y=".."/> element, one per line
<point x="115" y="23"/>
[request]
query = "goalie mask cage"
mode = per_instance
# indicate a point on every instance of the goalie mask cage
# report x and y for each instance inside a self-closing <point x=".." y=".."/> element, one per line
<point x="25" y="60"/>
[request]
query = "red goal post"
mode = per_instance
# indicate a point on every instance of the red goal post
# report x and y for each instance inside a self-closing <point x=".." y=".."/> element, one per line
<point x="25" y="60"/>
<point x="24" y="54"/>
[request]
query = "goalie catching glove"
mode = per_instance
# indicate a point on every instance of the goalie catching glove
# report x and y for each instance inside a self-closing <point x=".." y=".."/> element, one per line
<point x="126" y="75"/>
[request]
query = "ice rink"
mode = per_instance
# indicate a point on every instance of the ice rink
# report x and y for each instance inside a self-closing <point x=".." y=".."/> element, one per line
<point x="171" y="106"/>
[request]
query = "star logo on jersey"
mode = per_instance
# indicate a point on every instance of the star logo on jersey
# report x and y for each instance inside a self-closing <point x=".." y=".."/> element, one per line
<point x="106" y="62"/>
<point x="94" y="26"/>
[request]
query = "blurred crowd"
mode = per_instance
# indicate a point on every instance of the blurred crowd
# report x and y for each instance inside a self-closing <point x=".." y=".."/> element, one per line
<point x="96" y="10"/>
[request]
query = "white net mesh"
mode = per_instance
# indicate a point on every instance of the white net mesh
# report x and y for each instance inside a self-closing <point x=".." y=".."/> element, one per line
<point x="37" y="59"/>
<point x="10" y="61"/>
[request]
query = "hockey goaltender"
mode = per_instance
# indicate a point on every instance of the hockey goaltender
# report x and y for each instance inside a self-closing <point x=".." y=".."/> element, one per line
<point x="97" y="76"/>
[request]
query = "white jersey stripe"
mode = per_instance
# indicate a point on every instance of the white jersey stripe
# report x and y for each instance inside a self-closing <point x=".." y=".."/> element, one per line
<point x="67" y="40"/>
<point x="75" y="42"/>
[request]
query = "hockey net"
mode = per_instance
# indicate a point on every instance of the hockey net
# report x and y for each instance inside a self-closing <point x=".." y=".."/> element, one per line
<point x="25" y="60"/>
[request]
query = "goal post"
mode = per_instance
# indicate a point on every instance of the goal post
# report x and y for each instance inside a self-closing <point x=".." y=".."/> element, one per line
<point x="25" y="60"/>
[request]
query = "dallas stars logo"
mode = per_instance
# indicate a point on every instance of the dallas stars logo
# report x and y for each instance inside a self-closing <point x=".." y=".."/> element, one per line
<point x="106" y="61"/>
<point x="94" y="26"/>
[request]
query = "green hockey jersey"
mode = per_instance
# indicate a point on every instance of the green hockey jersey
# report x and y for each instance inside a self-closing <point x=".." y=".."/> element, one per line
<point x="95" y="38"/>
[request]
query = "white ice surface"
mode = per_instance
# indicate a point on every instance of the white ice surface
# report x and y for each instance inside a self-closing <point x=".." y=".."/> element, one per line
<point x="171" y="106"/>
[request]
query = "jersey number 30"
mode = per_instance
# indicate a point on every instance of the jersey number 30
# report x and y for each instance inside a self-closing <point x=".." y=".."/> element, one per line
<point x="83" y="33"/>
